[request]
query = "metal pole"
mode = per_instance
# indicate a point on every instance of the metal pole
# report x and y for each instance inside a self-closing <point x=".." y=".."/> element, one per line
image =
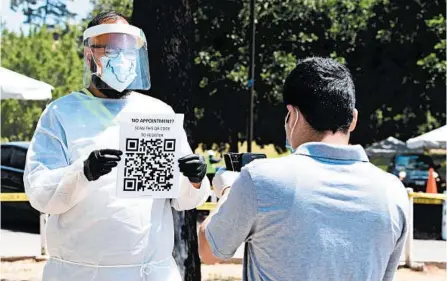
<point x="409" y="241"/>
<point x="43" y="241"/>
<point x="251" y="75"/>
<point x="444" y="219"/>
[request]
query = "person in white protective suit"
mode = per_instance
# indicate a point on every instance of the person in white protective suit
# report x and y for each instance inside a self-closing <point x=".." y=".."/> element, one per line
<point x="91" y="234"/>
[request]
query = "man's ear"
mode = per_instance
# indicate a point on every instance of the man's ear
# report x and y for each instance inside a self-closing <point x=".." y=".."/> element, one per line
<point x="292" y="114"/>
<point x="93" y="63"/>
<point x="87" y="54"/>
<point x="93" y="66"/>
<point x="355" y="115"/>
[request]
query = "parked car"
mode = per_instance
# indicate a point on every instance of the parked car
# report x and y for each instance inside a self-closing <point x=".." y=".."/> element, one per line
<point x="13" y="157"/>
<point x="412" y="170"/>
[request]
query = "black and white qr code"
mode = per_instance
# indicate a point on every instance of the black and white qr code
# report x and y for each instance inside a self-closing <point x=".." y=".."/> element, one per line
<point x="149" y="164"/>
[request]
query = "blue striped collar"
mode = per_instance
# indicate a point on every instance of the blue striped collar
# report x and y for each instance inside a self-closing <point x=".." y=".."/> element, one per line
<point x="334" y="152"/>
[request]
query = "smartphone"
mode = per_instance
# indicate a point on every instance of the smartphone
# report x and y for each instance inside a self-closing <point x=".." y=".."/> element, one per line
<point x="235" y="161"/>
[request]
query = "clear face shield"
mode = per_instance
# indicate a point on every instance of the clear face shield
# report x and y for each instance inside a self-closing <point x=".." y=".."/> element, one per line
<point x="116" y="58"/>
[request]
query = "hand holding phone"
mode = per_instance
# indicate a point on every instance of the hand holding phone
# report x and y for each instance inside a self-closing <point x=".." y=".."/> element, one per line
<point x="235" y="161"/>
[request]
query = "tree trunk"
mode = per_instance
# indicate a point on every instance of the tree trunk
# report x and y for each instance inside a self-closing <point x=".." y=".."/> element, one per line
<point x="168" y="26"/>
<point x="234" y="141"/>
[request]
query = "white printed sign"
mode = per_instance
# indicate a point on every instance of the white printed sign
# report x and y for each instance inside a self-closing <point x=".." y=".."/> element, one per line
<point x="151" y="146"/>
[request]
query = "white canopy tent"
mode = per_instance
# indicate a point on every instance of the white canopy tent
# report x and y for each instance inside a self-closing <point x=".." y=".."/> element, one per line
<point x="17" y="86"/>
<point x="435" y="139"/>
<point x="389" y="147"/>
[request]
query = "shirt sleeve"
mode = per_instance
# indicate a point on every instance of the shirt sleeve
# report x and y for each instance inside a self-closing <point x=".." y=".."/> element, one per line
<point x="393" y="262"/>
<point x="190" y="197"/>
<point x="233" y="222"/>
<point x="403" y="209"/>
<point x="52" y="185"/>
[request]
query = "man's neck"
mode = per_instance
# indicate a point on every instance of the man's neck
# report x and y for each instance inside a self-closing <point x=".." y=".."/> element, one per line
<point x="97" y="93"/>
<point x="328" y="137"/>
<point x="337" y="138"/>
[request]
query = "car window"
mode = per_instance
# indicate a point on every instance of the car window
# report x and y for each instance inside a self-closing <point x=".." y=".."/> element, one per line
<point x="420" y="162"/>
<point x="18" y="159"/>
<point x="6" y="155"/>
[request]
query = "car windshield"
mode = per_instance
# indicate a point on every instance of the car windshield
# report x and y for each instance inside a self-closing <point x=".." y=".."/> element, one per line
<point x="414" y="162"/>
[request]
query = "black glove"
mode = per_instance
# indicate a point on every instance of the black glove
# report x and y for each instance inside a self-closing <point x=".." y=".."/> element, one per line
<point x="101" y="162"/>
<point x="193" y="167"/>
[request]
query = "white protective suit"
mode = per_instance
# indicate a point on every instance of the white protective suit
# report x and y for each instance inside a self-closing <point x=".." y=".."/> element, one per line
<point x="91" y="234"/>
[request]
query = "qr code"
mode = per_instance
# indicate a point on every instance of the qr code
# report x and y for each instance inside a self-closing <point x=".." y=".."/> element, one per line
<point x="148" y="164"/>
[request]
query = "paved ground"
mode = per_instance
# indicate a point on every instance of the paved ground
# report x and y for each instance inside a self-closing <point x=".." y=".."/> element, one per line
<point x="232" y="272"/>
<point x="32" y="271"/>
<point x="24" y="244"/>
<point x="430" y="251"/>
<point x="17" y="243"/>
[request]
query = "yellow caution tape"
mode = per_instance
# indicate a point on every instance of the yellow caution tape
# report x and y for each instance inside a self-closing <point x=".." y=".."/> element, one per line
<point x="207" y="206"/>
<point x="428" y="201"/>
<point x="428" y="198"/>
<point x="21" y="197"/>
<point x="419" y="198"/>
<point x="13" y="197"/>
<point x="428" y="195"/>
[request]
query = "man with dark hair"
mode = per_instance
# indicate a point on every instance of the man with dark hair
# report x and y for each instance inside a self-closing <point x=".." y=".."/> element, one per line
<point x="109" y="16"/>
<point x="325" y="89"/>
<point x="322" y="213"/>
<point x="92" y="234"/>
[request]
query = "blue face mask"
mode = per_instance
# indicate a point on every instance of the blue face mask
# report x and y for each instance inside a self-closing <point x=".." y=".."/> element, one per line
<point x="118" y="72"/>
<point x="288" y="146"/>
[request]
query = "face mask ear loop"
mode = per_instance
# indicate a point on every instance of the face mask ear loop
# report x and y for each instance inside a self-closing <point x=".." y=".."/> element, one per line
<point x="287" y="118"/>
<point x="97" y="65"/>
<point x="294" y="124"/>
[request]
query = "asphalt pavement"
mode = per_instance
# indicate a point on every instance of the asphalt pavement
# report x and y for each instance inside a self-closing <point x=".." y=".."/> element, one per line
<point x="15" y="243"/>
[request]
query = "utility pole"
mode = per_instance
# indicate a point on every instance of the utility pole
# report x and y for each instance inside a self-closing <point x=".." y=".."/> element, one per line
<point x="251" y="75"/>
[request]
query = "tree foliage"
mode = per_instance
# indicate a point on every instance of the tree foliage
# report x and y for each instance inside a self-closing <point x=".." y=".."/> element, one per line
<point x="49" y="52"/>
<point x="49" y="55"/>
<point x="121" y="6"/>
<point x="400" y="92"/>
<point x="395" y="50"/>
<point x="44" y="12"/>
